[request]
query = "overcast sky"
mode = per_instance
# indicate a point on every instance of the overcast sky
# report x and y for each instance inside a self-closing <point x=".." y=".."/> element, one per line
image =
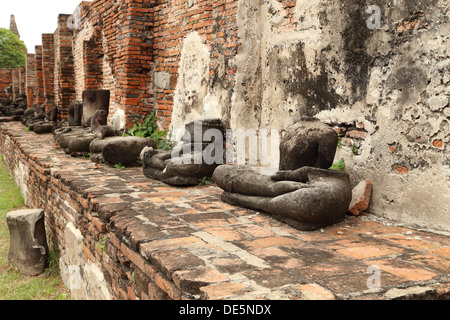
<point x="34" y="17"/>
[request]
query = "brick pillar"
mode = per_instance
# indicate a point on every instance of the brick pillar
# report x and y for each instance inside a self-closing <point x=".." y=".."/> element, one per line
<point x="22" y="80"/>
<point x="48" y="63"/>
<point x="31" y="81"/>
<point x="5" y="80"/>
<point x="93" y="62"/>
<point x="15" y="80"/>
<point x="64" y="75"/>
<point x="135" y="46"/>
<point x="39" y="76"/>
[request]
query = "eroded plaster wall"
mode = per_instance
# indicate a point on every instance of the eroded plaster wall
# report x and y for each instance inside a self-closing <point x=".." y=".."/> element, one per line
<point x="392" y="81"/>
<point x="387" y="86"/>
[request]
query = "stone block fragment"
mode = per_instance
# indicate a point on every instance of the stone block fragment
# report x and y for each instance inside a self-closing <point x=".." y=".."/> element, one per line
<point x="28" y="246"/>
<point x="123" y="150"/>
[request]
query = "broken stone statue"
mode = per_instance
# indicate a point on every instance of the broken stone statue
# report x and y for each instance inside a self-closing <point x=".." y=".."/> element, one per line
<point x="88" y="133"/>
<point x="50" y="122"/>
<point x="186" y="163"/>
<point x="28" y="246"/>
<point x="39" y="121"/>
<point x="119" y="150"/>
<point x="14" y="108"/>
<point x="95" y="108"/>
<point x="87" y="121"/>
<point x="75" y="113"/>
<point x="304" y="193"/>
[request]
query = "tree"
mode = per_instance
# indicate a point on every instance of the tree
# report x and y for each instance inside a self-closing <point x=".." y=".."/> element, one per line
<point x="12" y="50"/>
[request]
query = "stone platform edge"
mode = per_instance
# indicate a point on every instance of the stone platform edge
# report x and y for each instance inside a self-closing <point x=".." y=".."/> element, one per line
<point x="98" y="260"/>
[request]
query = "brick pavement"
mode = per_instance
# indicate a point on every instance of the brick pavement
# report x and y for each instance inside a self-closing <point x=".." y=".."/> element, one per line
<point x="185" y="243"/>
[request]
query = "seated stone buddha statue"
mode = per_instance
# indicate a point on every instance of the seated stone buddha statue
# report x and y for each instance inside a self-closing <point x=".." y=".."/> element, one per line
<point x="304" y="193"/>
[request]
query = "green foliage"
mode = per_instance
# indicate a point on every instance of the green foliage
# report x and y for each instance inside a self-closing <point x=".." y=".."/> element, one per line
<point x="339" y="166"/>
<point x="146" y="128"/>
<point x="149" y="129"/>
<point x="205" y="180"/>
<point x="354" y="150"/>
<point x="339" y="144"/>
<point x="102" y="244"/>
<point x="119" y="166"/>
<point x="12" y="50"/>
<point x="53" y="260"/>
<point x="165" y="144"/>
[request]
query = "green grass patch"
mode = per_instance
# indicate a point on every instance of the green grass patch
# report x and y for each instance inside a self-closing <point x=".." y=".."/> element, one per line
<point x="14" y="285"/>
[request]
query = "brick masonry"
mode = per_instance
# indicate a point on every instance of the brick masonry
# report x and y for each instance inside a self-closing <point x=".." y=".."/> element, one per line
<point x="5" y="81"/>
<point x="120" y="45"/>
<point x="64" y="80"/>
<point x="152" y="241"/>
<point x="39" y="76"/>
<point x="31" y="80"/>
<point x="48" y="73"/>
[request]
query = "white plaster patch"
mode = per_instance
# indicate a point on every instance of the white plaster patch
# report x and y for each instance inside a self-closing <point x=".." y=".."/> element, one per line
<point x="192" y="85"/>
<point x="118" y="120"/>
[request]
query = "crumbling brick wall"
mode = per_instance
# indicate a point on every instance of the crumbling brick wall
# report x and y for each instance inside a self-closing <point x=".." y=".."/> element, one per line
<point x="133" y="49"/>
<point x="64" y="80"/>
<point x="31" y="80"/>
<point x="112" y="49"/>
<point x="5" y="81"/>
<point x="216" y="25"/>
<point x="18" y="82"/>
<point x="39" y="76"/>
<point x="14" y="79"/>
<point x="48" y="73"/>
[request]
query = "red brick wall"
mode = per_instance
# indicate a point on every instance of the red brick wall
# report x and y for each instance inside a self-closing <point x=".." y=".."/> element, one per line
<point x="64" y="79"/>
<point x="5" y="81"/>
<point x="48" y="61"/>
<point x="83" y="31"/>
<point x="122" y="43"/>
<point x="31" y="80"/>
<point x="39" y="76"/>
<point x="93" y="62"/>
<point x="215" y="21"/>
<point x="16" y="77"/>
<point x="127" y="30"/>
<point x="113" y="51"/>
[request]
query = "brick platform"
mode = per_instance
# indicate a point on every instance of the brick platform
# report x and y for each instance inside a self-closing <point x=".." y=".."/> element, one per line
<point x="185" y="243"/>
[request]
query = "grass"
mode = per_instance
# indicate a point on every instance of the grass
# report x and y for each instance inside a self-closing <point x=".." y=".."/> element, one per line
<point x="14" y="285"/>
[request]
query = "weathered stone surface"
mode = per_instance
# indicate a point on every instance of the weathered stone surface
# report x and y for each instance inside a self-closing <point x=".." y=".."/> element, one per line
<point x="45" y="127"/>
<point x="76" y="140"/>
<point x="28" y="246"/>
<point x="308" y="143"/>
<point x="80" y="143"/>
<point x="75" y="113"/>
<point x="361" y="195"/>
<point x="52" y="114"/>
<point x="64" y="134"/>
<point x="93" y="101"/>
<point x="123" y="150"/>
<point x="192" y="224"/>
<point x="304" y="193"/>
<point x="188" y="162"/>
<point x="307" y="198"/>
